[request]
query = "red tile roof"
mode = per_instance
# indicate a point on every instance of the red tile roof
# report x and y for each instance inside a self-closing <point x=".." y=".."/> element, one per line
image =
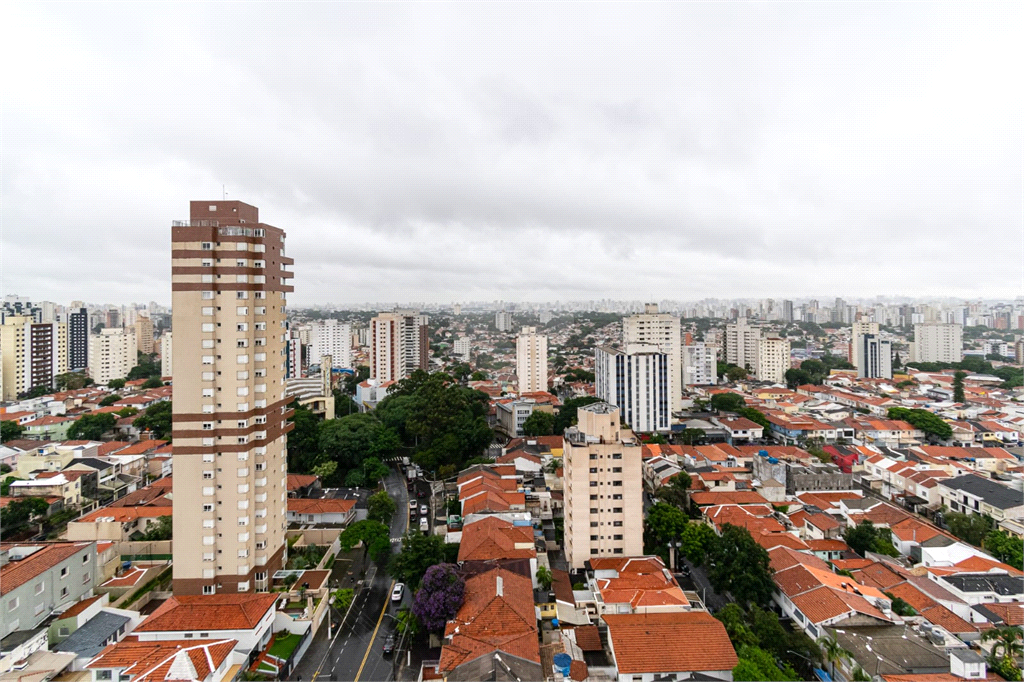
<point x="302" y="505"/>
<point x="209" y="612"/>
<point x="78" y="607"/>
<point x="296" y="481"/>
<point x="702" y="499"/>
<point x="698" y="642"/>
<point x="492" y="539"/>
<point x="17" y="573"/>
<point x="152" y="661"/>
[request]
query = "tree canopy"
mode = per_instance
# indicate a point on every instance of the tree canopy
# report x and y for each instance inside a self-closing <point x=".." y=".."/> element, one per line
<point x="740" y="566"/>
<point x="19" y="512"/>
<point x="539" y="424"/>
<point x="375" y="536"/>
<point x="867" y="537"/>
<point x="927" y="421"/>
<point x="91" y="426"/>
<point x="566" y="416"/>
<point x="1007" y="548"/>
<point x="419" y="552"/>
<point x="727" y="402"/>
<point x="380" y="507"/>
<point x="439" y="597"/>
<point x="972" y="528"/>
<point x="157" y="418"/>
<point x="10" y="430"/>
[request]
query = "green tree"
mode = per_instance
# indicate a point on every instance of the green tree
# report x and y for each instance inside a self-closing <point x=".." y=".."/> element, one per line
<point x="923" y="419"/>
<point x="161" y="529"/>
<point x="833" y="652"/>
<point x="734" y="374"/>
<point x="1006" y="651"/>
<point x="734" y="620"/>
<point x="676" y="491"/>
<point x="349" y="439"/>
<point x="406" y="622"/>
<point x="20" y="512"/>
<point x="109" y="400"/>
<point x="361" y="374"/>
<point x="1005" y="547"/>
<point x="544" y="577"/>
<point x="539" y="424"/>
<point x="91" y="426"/>
<point x="72" y="381"/>
<point x="354" y="478"/>
<point x="10" y="430"/>
<point x="741" y="567"/>
<point x="116" y="384"/>
<point x="419" y="552"/>
<point x="691" y="436"/>
<point x="566" y="416"/>
<point x="757" y="664"/>
<point x="374" y="535"/>
<point x="727" y="402"/>
<point x="867" y="537"/>
<point x="303" y="440"/>
<point x="972" y="528"/>
<point x="380" y="507"/>
<point x="478" y="376"/>
<point x="958" y="386"/>
<point x="152" y="382"/>
<point x="157" y="418"/>
<point x="374" y="471"/>
<point x="755" y="416"/>
<point x="36" y="392"/>
<point x="326" y="472"/>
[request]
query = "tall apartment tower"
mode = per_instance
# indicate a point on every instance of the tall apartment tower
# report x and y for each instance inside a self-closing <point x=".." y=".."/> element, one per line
<point x="31" y="354"/>
<point x="230" y="412"/>
<point x="604" y="509"/>
<point x="333" y="338"/>
<point x="873" y="357"/>
<point x="700" y="366"/>
<point x="858" y="329"/>
<point x="399" y="345"/>
<point x="787" y="311"/>
<point x="78" y="339"/>
<point x="503" y="321"/>
<point x="112" y="354"/>
<point x="937" y="342"/>
<point x="638" y="383"/>
<point x="166" y="355"/>
<point x="772" y="359"/>
<point x="532" y="361"/>
<point x="741" y="344"/>
<point x="663" y="331"/>
<point x="144" y="334"/>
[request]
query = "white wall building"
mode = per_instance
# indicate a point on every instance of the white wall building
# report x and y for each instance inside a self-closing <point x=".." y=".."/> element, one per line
<point x="638" y="383"/>
<point x="937" y="342"/>
<point x="532" y="361"/>
<point x="742" y="344"/>
<point x="773" y="359"/>
<point x="166" y="355"/>
<point x="873" y="356"/>
<point x="463" y="347"/>
<point x="700" y="366"/>
<point x="661" y="330"/>
<point x="333" y="338"/>
<point x="503" y="320"/>
<point x="112" y="354"/>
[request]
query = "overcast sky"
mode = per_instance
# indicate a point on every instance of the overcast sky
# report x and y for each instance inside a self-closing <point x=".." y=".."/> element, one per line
<point x="521" y="151"/>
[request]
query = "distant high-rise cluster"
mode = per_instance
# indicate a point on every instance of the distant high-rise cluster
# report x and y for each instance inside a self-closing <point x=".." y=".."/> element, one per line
<point x="532" y="360"/>
<point x="330" y="337"/>
<point x="399" y="344"/>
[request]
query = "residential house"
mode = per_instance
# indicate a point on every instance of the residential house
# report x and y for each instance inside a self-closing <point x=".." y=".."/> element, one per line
<point x="204" y="660"/>
<point x="246" y="619"/>
<point x="38" y="579"/>
<point x="494" y="542"/>
<point x="972" y="494"/>
<point x="670" y="646"/>
<point x="322" y="511"/>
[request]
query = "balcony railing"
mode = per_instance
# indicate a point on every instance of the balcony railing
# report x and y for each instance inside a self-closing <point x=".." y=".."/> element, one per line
<point x="195" y="223"/>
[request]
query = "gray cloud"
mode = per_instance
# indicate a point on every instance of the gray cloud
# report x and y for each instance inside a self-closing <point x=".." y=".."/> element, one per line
<point x="427" y="151"/>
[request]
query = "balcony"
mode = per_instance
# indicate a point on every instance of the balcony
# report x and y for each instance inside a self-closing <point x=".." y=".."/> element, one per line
<point x="195" y="223"/>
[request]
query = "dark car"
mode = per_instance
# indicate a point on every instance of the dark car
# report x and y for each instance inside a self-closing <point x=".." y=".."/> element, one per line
<point x="389" y="644"/>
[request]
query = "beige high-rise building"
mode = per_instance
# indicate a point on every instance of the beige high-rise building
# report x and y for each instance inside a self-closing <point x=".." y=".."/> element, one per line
<point x="166" y="355"/>
<point x="112" y="354"/>
<point x="399" y="345"/>
<point x="937" y="342"/>
<point x="230" y="411"/>
<point x="31" y="354"/>
<point x="742" y="343"/>
<point x="857" y="330"/>
<point x="144" y="335"/>
<point x="532" y="361"/>
<point x="661" y="330"/>
<point x="604" y="509"/>
<point x="773" y="359"/>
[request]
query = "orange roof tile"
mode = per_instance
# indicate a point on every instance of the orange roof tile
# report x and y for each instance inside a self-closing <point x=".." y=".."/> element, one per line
<point x="152" y="661"/>
<point x="16" y="573"/>
<point x="699" y="642"/>
<point x="302" y="505"/>
<point x="214" y="611"/>
<point x="492" y="538"/>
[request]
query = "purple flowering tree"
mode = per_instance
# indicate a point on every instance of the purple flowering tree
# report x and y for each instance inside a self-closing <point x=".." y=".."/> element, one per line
<point x="439" y="597"/>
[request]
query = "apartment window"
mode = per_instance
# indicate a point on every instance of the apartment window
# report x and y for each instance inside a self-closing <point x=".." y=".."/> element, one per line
<point x="616" y="470"/>
<point x="617" y="497"/>
<point x="593" y="510"/>
<point x="242" y="310"/>
<point x="242" y="359"/>
<point x="85" y="559"/>
<point x="241" y="295"/>
<point x="616" y="510"/>
<point x="593" y="524"/>
<point x="260" y="326"/>
<point x="104" y="675"/>
<point x="13" y="604"/>
<point x="617" y="550"/>
<point x="207" y="296"/>
<point x="593" y="538"/>
<point x="207" y="507"/>
<point x="616" y="537"/>
<point x="207" y="589"/>
<point x="593" y="470"/>
<point x="616" y="482"/>
<point x="64" y="572"/>
<point x="207" y="376"/>
<point x="617" y="524"/>
<point x="261" y="357"/>
<point x="208" y="475"/>
<point x="262" y="419"/>
<point x="86" y="579"/>
<point x="40" y="586"/>
<point x="261" y="294"/>
<point x="63" y="632"/>
<point x="63" y="592"/>
<point x="593" y="497"/>
<point x="617" y="455"/>
<point x="593" y="456"/>
<point x="207" y="246"/>
<point x="243" y="327"/>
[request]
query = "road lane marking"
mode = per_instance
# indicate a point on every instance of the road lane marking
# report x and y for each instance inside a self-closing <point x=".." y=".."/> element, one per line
<point x="374" y="635"/>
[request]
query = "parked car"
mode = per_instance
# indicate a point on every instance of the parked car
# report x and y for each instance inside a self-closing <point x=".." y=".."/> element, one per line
<point x="423" y="510"/>
<point x="412" y="505"/>
<point x="424" y="525"/>
<point x="389" y="644"/>
<point x="398" y="592"/>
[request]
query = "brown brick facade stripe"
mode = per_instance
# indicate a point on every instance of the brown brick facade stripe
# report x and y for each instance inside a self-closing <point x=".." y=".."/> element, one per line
<point x="273" y="433"/>
<point x="229" y="582"/>
<point x="255" y="412"/>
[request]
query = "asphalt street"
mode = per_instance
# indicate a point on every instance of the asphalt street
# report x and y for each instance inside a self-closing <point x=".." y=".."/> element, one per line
<point x="355" y="652"/>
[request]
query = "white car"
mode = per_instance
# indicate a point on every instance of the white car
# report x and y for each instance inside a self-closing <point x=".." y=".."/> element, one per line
<point x="398" y="592"/>
<point x="423" y="509"/>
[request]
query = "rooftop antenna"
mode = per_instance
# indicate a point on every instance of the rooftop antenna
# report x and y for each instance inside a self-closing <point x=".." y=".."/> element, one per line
<point x="224" y="192"/>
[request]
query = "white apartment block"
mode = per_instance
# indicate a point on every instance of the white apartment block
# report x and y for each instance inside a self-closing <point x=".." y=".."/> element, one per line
<point x="166" y="355"/>
<point x="937" y="342"/>
<point x="330" y="337"/>
<point x="603" y="488"/>
<point x="532" y="361"/>
<point x="742" y="345"/>
<point x="700" y="365"/>
<point x="112" y="354"/>
<point x="638" y="383"/>
<point x="661" y="330"/>
<point x="873" y="356"/>
<point x="858" y="329"/>
<point x="463" y="347"/>
<point x="773" y="359"/>
<point x="228" y="283"/>
<point x="31" y="354"/>
<point x="503" y="320"/>
<point x="398" y="345"/>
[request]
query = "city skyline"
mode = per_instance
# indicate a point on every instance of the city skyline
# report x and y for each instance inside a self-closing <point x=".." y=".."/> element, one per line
<point x="524" y="153"/>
